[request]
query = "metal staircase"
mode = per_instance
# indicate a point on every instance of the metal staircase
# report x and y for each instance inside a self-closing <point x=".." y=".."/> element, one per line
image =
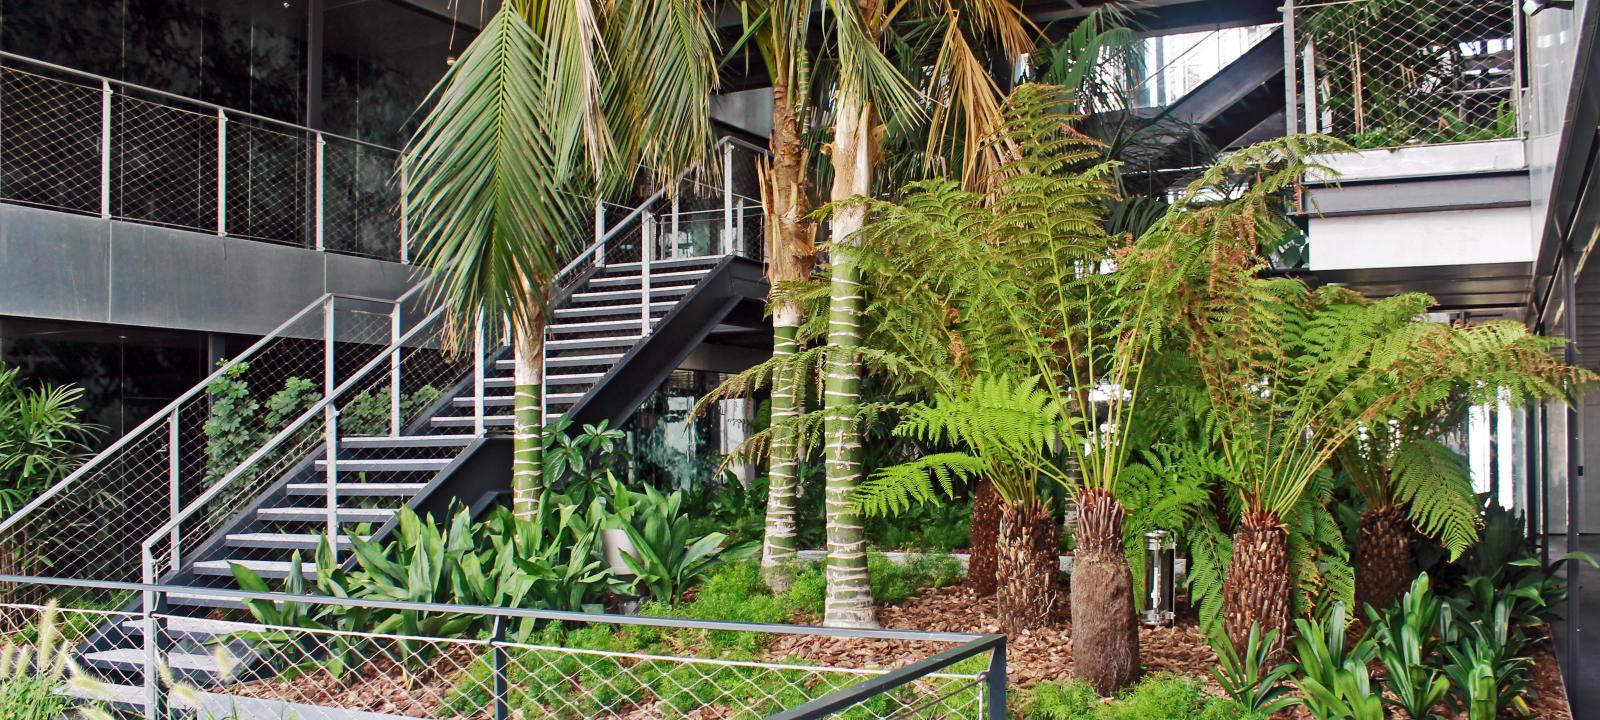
<point x="397" y="415"/>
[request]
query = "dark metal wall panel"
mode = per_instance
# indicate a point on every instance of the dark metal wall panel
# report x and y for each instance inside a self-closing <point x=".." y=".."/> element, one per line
<point x="53" y="264"/>
<point x="68" y="267"/>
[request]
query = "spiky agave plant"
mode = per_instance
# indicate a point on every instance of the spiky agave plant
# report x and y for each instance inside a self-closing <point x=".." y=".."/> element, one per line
<point x="1408" y="478"/>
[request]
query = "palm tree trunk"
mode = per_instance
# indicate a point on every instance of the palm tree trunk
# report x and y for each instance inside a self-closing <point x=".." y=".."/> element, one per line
<point x="985" y="533"/>
<point x="1105" y="633"/>
<point x="849" y="598"/>
<point x="778" y="544"/>
<point x="1028" y="559"/>
<point x="791" y="255"/>
<point x="1383" y="556"/>
<point x="527" y="439"/>
<point x="1257" y="588"/>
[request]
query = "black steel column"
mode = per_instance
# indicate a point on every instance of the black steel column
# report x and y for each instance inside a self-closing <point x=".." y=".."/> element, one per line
<point x="1569" y="329"/>
<point x="314" y="10"/>
<point x="1532" y="475"/>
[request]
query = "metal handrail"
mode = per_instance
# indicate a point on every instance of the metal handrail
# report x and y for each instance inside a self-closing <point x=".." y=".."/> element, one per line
<point x="173" y="407"/>
<point x="321" y="406"/>
<point x="640" y="209"/>
<point x="506" y="612"/>
<point x="201" y="103"/>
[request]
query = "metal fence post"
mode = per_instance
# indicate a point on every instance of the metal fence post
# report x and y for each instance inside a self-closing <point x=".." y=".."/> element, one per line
<point x="328" y="375"/>
<point x="599" y="233"/>
<point x="155" y="648"/>
<point x="739" y="241"/>
<point x="330" y="431"/>
<point x="1291" y="100"/>
<point x="646" y="249"/>
<point x="1308" y="69"/>
<point x="405" y="228"/>
<point x="727" y="199"/>
<point x="222" y="173"/>
<point x="105" y="149"/>
<point x="502" y="684"/>
<point x="672" y="245"/>
<point x="994" y="681"/>
<point x="394" y="372"/>
<point x="477" y="377"/>
<point x="173" y="505"/>
<point x="317" y="213"/>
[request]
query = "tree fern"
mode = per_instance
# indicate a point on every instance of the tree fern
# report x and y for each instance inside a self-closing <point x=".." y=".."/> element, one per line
<point x="1434" y="484"/>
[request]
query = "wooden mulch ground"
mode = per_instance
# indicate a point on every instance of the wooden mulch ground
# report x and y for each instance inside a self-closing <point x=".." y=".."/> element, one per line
<point x="1046" y="654"/>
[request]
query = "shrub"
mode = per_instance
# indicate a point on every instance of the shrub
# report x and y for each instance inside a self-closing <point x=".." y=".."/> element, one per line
<point x="1159" y="697"/>
<point x="808" y="591"/>
<point x="894" y="582"/>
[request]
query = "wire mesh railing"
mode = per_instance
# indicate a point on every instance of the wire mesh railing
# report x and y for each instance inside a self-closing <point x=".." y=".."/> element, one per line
<point x="367" y="396"/>
<point x="147" y="477"/>
<point x="711" y="211"/>
<point x="1391" y="73"/>
<point x="450" y="661"/>
<point x="83" y="143"/>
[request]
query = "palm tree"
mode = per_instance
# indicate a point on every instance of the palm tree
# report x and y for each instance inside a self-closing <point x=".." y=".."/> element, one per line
<point x="961" y="101"/>
<point x="780" y="31"/>
<point x="519" y="137"/>
<point x="1410" y="480"/>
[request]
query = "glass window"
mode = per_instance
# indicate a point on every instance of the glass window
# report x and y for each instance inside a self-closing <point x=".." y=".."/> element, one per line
<point x="380" y="59"/>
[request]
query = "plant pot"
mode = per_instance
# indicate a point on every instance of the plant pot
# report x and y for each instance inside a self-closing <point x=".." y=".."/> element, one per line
<point x="616" y="544"/>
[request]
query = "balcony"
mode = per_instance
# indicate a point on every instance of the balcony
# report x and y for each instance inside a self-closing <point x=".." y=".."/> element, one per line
<point x="1400" y="73"/>
<point x="93" y="146"/>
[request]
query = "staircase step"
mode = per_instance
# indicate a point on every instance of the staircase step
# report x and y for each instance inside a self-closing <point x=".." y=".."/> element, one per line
<point x="563" y="398"/>
<point x="192" y="628"/>
<point x="588" y="378"/>
<point x="390" y="465"/>
<point x="359" y="489"/>
<point x="500" y="382"/>
<point x="131" y="660"/>
<point x="314" y="514"/>
<point x="703" y="261"/>
<point x="632" y="280"/>
<point x="626" y="325"/>
<point x="281" y="541"/>
<point x="633" y="295"/>
<point x="626" y="309"/>
<point x="488" y="402"/>
<point x="622" y="341"/>
<point x="572" y="360"/>
<point x="269" y="569"/>
<point x="494" y="421"/>
<point x="406" y="441"/>
<point x="202" y="600"/>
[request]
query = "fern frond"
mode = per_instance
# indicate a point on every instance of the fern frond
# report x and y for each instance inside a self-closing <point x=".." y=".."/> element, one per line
<point x="1434" y="484"/>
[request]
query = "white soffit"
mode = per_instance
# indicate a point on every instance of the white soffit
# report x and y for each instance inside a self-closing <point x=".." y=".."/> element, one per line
<point x="1450" y="237"/>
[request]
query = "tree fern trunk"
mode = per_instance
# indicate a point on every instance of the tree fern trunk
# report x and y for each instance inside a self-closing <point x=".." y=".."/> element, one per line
<point x="1383" y="556"/>
<point x="985" y="533"/>
<point x="527" y="464"/>
<point x="849" y="598"/>
<point x="791" y="254"/>
<point x="1028" y="559"/>
<point x="783" y="489"/>
<point x="1105" y="633"/>
<point x="1257" y="588"/>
